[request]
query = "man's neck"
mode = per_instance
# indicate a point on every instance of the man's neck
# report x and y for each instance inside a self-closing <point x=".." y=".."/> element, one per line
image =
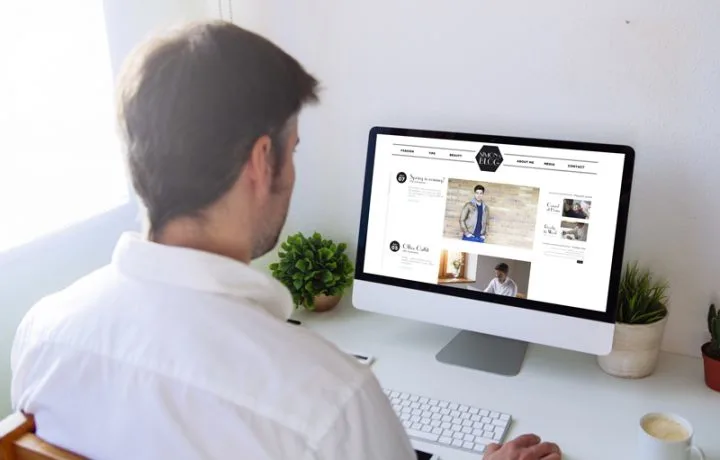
<point x="188" y="233"/>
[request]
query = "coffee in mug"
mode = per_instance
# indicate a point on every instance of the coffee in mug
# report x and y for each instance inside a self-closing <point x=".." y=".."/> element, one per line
<point x="666" y="437"/>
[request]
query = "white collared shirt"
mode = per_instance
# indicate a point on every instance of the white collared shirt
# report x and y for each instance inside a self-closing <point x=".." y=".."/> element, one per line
<point x="508" y="288"/>
<point x="173" y="353"/>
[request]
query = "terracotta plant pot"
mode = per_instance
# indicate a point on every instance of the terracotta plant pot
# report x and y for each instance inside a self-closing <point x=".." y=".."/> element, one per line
<point x="712" y="369"/>
<point x="325" y="302"/>
<point x="635" y="351"/>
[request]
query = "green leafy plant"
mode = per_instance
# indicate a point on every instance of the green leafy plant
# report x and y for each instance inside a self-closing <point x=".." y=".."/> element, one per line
<point x="642" y="299"/>
<point x="713" y="349"/>
<point x="312" y="266"/>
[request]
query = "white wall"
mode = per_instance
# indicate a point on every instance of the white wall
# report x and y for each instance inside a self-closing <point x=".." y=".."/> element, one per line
<point x="33" y="271"/>
<point x="643" y="72"/>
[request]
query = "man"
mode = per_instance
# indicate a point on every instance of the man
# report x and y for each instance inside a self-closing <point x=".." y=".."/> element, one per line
<point x="178" y="349"/>
<point x="502" y="284"/>
<point x="473" y="217"/>
<point x="576" y="211"/>
<point x="579" y="232"/>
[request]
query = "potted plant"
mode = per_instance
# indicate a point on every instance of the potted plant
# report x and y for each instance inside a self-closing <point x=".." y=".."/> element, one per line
<point x="315" y="270"/>
<point x="457" y="265"/>
<point x="711" y="350"/>
<point x="640" y="323"/>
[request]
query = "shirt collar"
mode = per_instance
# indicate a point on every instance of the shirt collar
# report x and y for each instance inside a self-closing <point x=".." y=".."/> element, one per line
<point x="201" y="271"/>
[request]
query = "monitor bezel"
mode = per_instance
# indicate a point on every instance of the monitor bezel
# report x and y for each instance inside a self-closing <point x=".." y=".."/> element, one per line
<point x="607" y="316"/>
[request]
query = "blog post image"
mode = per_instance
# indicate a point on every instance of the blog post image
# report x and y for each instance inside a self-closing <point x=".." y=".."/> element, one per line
<point x="572" y="230"/>
<point x="492" y="213"/>
<point x="493" y="275"/>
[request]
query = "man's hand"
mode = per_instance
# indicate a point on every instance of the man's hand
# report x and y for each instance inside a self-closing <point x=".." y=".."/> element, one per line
<point x="525" y="447"/>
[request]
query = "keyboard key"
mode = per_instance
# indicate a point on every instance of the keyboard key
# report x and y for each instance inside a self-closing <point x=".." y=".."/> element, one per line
<point x="457" y="421"/>
<point x="415" y="418"/>
<point x="394" y="394"/>
<point x="426" y="413"/>
<point x="495" y="414"/>
<point x="457" y="443"/>
<point x="455" y="413"/>
<point x="433" y="402"/>
<point x="501" y="423"/>
<point x="422" y="435"/>
<point x="445" y="411"/>
<point x="406" y="410"/>
<point x="474" y="410"/>
<point x="456" y="427"/>
<point x="417" y="412"/>
<point x="446" y="425"/>
<point x="467" y="423"/>
<point x="454" y="406"/>
<point x="424" y="400"/>
<point x="505" y="417"/>
<point x="477" y="432"/>
<point x="446" y="418"/>
<point x="426" y="428"/>
<point x="448" y="433"/>
<point x="484" y="413"/>
<point x="435" y="409"/>
<point x="466" y="430"/>
<point x="443" y="404"/>
<point x="468" y="445"/>
<point x="425" y="406"/>
<point x="486" y="420"/>
<point x="457" y="435"/>
<point x="463" y="408"/>
<point x="437" y="431"/>
<point x="487" y="434"/>
<point x="479" y="448"/>
<point x="404" y="396"/>
<point x="435" y="423"/>
<point x="475" y="418"/>
<point x="425" y="421"/>
<point x="436" y="417"/>
<point x="445" y="440"/>
<point x="416" y="426"/>
<point x="489" y="427"/>
<point x="407" y="424"/>
<point x="414" y="398"/>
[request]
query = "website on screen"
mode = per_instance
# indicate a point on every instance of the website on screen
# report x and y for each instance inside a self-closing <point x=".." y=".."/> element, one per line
<point x="529" y="222"/>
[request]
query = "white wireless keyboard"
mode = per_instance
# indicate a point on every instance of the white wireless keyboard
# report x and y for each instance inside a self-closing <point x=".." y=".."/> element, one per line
<point x="447" y="423"/>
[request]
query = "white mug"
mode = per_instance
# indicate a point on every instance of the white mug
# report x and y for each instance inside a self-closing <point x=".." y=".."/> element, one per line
<point x="666" y="437"/>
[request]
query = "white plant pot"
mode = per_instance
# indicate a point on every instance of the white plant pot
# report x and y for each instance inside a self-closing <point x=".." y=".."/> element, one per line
<point x="635" y="350"/>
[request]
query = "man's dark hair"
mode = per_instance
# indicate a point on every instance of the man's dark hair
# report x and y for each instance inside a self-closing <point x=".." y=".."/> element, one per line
<point x="191" y="106"/>
<point x="503" y="267"/>
<point x="479" y="187"/>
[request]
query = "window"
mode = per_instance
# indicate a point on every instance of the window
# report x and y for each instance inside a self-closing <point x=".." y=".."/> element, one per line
<point x="60" y="160"/>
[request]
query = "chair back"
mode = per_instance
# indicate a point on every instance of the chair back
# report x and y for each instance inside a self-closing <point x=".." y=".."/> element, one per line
<point x="18" y="441"/>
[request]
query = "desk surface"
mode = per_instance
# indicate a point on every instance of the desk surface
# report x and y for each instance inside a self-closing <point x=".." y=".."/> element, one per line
<point x="560" y="395"/>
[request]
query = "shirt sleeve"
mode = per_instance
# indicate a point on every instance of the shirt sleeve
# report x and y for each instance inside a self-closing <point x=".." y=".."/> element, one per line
<point x="491" y="287"/>
<point x="366" y="427"/>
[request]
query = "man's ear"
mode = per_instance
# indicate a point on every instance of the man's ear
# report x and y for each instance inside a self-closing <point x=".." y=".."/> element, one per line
<point x="259" y="167"/>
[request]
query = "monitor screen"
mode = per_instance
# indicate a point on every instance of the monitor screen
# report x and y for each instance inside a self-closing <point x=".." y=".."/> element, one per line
<point x="524" y="222"/>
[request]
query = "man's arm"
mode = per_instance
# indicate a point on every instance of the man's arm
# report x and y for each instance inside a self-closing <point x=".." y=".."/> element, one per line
<point x="491" y="287"/>
<point x="463" y="219"/>
<point x="365" y="428"/>
<point x="514" y="289"/>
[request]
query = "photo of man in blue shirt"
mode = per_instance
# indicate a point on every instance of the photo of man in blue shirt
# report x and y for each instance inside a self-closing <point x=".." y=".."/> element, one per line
<point x="473" y="218"/>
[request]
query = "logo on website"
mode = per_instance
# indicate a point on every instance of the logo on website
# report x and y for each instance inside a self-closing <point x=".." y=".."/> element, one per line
<point x="401" y="177"/>
<point x="394" y="246"/>
<point x="489" y="158"/>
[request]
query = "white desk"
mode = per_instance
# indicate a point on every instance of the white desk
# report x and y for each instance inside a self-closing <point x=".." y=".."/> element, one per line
<point x="560" y="395"/>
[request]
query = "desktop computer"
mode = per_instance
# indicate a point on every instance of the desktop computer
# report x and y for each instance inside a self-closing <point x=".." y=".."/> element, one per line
<point x="512" y="240"/>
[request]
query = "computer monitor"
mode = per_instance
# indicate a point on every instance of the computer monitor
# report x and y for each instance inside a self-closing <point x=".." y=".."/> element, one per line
<point x="512" y="240"/>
